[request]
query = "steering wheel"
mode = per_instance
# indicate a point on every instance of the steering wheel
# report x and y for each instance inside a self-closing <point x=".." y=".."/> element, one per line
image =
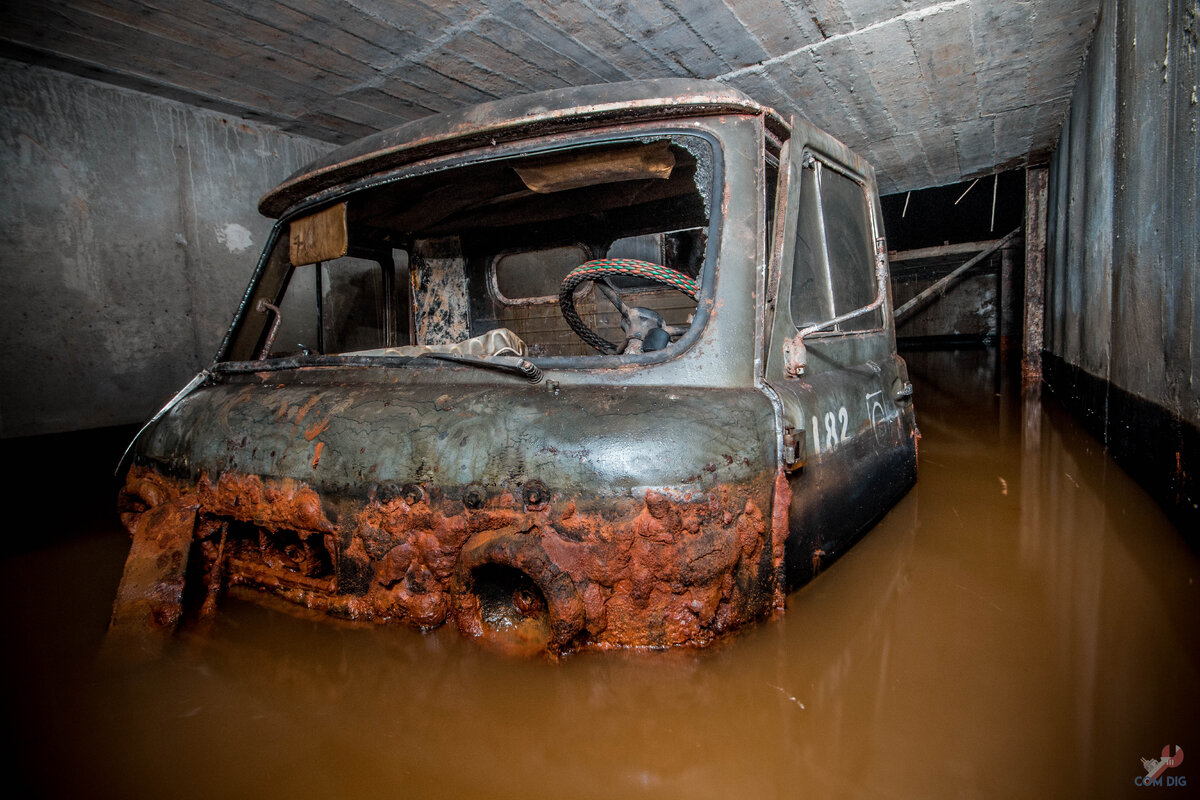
<point x="645" y="329"/>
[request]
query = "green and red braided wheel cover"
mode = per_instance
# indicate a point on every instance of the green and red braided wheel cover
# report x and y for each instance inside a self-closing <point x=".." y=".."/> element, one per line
<point x="613" y="267"/>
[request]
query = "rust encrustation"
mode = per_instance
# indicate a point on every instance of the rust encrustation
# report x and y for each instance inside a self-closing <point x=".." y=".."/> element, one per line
<point x="556" y="573"/>
<point x="781" y="503"/>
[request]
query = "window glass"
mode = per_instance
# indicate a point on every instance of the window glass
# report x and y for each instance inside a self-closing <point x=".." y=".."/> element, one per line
<point x="833" y="271"/>
<point x="536" y="274"/>
<point x="812" y="300"/>
<point x="298" y="314"/>
<point x="353" y="305"/>
<point x="350" y="314"/>
<point x="489" y="243"/>
<point x="648" y="247"/>
<point x="851" y="247"/>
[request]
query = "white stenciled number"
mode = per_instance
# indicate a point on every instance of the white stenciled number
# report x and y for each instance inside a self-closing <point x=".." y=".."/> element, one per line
<point x="832" y="435"/>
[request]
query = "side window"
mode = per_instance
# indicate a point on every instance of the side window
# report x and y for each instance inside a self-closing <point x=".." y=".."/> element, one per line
<point x="298" y="314"/>
<point x="812" y="297"/>
<point x="850" y="241"/>
<point x="682" y="251"/>
<point x="833" y="272"/>
<point x="533" y="276"/>
<point x="646" y="247"/>
<point x="353" y="305"/>
<point x="340" y="306"/>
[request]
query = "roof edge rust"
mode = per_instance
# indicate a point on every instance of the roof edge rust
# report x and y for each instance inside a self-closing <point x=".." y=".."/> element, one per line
<point x="508" y="119"/>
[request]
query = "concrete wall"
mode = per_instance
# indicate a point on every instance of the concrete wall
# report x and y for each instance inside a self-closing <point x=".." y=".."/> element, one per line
<point x="127" y="235"/>
<point x="1122" y="307"/>
<point x="969" y="309"/>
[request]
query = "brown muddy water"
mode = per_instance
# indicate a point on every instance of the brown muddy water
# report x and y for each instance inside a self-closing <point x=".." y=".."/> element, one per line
<point x="1023" y="624"/>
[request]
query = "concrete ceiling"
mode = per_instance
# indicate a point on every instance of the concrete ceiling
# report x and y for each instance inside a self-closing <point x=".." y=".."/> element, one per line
<point x="930" y="91"/>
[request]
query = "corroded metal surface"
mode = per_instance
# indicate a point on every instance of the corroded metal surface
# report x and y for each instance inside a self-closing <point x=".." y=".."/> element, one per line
<point x="437" y="495"/>
<point x="644" y="571"/>
<point x="651" y="500"/>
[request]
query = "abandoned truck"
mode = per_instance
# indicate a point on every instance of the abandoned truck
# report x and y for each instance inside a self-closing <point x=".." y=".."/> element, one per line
<point x="610" y="366"/>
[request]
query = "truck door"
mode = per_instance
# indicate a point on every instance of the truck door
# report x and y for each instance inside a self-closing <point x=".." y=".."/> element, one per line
<point x="831" y="352"/>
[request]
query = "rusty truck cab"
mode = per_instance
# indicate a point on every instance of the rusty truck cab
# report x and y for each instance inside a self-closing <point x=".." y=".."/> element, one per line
<point x="607" y="366"/>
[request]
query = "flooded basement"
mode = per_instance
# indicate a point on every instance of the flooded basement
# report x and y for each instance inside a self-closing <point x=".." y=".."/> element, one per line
<point x="1023" y="623"/>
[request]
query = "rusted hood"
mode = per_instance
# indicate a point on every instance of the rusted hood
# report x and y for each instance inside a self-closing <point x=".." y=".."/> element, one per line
<point x="580" y="439"/>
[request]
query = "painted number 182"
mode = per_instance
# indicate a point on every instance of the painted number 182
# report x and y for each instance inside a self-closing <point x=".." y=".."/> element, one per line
<point x="837" y="429"/>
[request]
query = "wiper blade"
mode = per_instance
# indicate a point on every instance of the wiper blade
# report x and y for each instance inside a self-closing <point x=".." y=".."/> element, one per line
<point x="201" y="377"/>
<point x="510" y="364"/>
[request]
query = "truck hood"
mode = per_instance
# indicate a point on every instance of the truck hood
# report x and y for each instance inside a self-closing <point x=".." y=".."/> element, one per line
<point x="347" y="438"/>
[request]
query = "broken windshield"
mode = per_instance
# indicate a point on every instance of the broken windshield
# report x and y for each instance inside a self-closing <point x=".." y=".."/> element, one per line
<point x="602" y="248"/>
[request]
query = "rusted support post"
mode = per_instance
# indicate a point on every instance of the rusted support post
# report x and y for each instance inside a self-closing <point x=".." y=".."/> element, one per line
<point x="1035" y="275"/>
<point x="1006" y="304"/>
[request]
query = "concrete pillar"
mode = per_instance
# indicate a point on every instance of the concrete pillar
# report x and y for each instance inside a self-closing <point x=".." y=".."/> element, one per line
<point x="1007" y="304"/>
<point x="1035" y="275"/>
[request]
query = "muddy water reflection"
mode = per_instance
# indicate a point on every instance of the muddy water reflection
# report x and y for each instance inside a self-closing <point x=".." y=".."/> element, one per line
<point x="1024" y="623"/>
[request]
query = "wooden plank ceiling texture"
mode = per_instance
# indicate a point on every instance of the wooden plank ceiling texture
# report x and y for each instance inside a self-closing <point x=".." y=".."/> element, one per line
<point x="930" y="91"/>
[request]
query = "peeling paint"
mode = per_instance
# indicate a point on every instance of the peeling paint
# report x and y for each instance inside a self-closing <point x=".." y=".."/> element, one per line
<point x="235" y="237"/>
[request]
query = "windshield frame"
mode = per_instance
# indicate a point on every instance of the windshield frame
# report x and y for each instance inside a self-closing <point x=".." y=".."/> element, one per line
<point x="700" y="130"/>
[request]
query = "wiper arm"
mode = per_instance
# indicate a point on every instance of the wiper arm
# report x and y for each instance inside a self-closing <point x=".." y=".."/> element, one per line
<point x="510" y="364"/>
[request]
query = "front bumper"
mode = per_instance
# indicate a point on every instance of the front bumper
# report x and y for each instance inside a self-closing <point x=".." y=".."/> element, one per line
<point x="528" y="570"/>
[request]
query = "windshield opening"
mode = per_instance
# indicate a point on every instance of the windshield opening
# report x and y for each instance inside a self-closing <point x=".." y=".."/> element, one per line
<point x="473" y="260"/>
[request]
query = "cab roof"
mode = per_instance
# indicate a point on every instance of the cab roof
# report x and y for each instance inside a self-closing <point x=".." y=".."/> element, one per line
<point x="555" y="111"/>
